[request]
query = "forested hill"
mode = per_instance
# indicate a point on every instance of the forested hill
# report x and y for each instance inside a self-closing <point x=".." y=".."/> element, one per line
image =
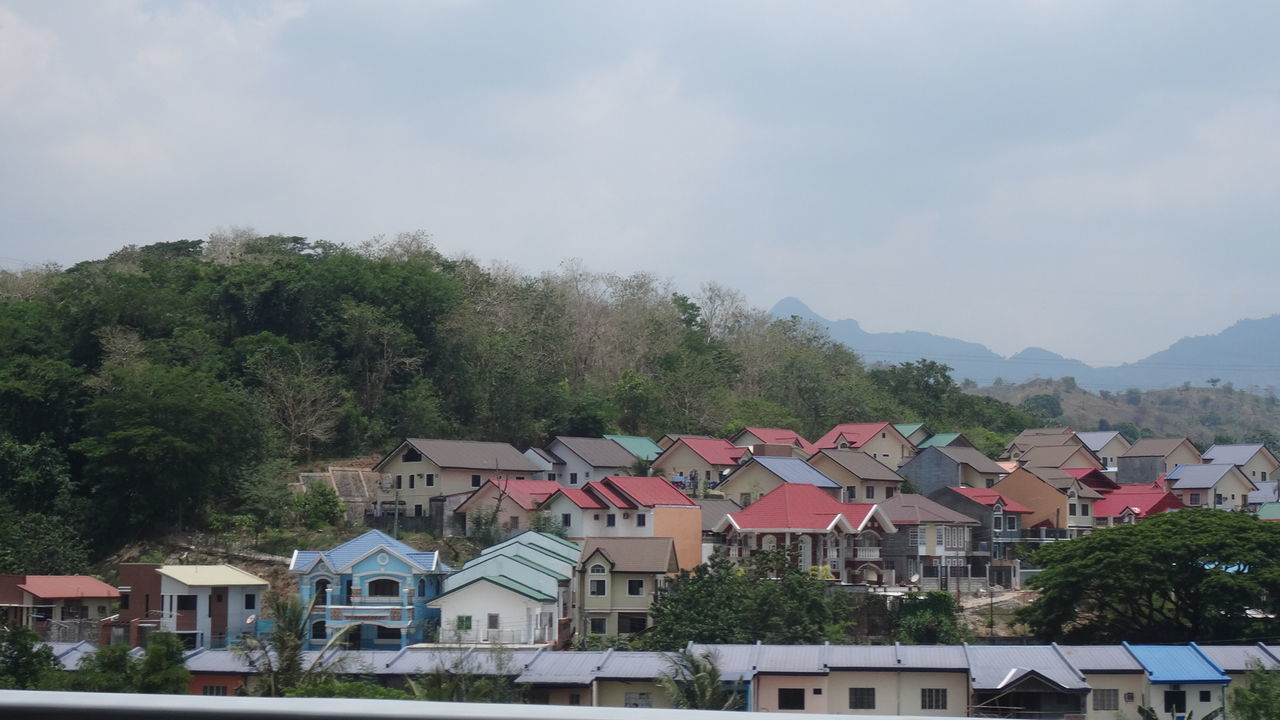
<point x="170" y="384"/>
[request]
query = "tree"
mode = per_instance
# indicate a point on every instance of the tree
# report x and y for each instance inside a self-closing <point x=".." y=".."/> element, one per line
<point x="279" y="657"/>
<point x="357" y="689"/>
<point x="1258" y="697"/>
<point x="929" y="619"/>
<point x="1045" y="406"/>
<point x="693" y="681"/>
<point x="1194" y="575"/>
<point x="114" y="668"/>
<point x="24" y="660"/>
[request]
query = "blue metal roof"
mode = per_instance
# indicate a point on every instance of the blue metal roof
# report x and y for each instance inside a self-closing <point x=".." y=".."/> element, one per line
<point x="795" y="470"/>
<point x="1177" y="664"/>
<point x="357" y="547"/>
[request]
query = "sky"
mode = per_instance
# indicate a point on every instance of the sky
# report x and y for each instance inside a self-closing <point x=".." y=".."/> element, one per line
<point x="1095" y="178"/>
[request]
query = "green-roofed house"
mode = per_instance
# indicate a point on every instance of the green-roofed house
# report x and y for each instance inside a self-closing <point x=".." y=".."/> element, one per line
<point x="1269" y="512"/>
<point x="642" y="447"/>
<point x="514" y="593"/>
<point x="915" y="433"/>
<point x="946" y="440"/>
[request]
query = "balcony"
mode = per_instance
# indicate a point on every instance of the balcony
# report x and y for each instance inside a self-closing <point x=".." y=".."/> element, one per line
<point x="867" y="553"/>
<point x="391" y="615"/>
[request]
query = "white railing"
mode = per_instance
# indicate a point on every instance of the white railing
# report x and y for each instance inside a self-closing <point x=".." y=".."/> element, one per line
<point x="868" y="553"/>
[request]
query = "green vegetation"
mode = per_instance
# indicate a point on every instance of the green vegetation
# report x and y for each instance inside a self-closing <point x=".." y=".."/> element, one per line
<point x="1195" y="575"/>
<point x="693" y="682"/>
<point x="931" y="618"/>
<point x="172" y="386"/>
<point x="1258" y="697"/>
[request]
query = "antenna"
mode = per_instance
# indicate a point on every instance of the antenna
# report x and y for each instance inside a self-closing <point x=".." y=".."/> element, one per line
<point x="915" y="578"/>
<point x="251" y="620"/>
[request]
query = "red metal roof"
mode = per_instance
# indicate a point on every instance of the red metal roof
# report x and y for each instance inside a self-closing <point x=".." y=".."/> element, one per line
<point x="800" y="507"/>
<point x="580" y="498"/>
<point x="1143" y="499"/>
<point x="1095" y="479"/>
<point x="989" y="497"/>
<point x="777" y="436"/>
<point x="606" y="493"/>
<point x="856" y="434"/>
<point x="528" y="494"/>
<point x="67" y="586"/>
<point x="649" y="491"/>
<point x="715" y="451"/>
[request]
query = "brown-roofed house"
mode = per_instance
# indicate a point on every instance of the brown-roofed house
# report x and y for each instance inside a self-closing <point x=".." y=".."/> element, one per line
<point x="420" y="469"/>
<point x="930" y="536"/>
<point x="939" y="467"/>
<point x="1057" y="499"/>
<point x="1029" y="439"/>
<point x="862" y="476"/>
<point x="617" y="579"/>
<point x="1061" y="456"/>
<point x="1149" y="458"/>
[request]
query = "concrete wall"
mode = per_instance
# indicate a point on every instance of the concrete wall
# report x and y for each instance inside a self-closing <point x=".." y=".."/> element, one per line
<point x="1139" y="470"/>
<point x="931" y="470"/>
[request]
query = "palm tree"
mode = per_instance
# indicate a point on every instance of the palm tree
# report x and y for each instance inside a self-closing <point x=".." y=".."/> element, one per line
<point x="278" y="657"/>
<point x="693" y="682"/>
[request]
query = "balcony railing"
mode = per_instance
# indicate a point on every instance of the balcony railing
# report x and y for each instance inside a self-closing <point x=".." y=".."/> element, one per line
<point x="400" y="614"/>
<point x="867" y="553"/>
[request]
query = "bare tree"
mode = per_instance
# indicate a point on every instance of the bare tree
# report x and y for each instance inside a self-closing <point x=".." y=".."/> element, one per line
<point x="299" y="396"/>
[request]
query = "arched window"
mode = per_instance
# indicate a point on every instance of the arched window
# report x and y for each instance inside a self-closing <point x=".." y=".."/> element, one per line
<point x="769" y="543"/>
<point x="322" y="589"/>
<point x="318" y="630"/>
<point x="384" y="587"/>
<point x="597" y="569"/>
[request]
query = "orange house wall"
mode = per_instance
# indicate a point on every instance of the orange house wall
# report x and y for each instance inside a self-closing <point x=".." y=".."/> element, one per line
<point x="684" y="526"/>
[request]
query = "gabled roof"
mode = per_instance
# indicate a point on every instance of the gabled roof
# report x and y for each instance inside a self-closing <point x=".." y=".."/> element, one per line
<point x="1240" y="658"/>
<point x="799" y="507"/>
<point x="861" y="464"/>
<point x="652" y="491"/>
<point x="209" y="575"/>
<point x="528" y="494"/>
<point x="942" y="440"/>
<point x="1198" y="477"/>
<point x="1156" y="447"/>
<point x="1101" y="658"/>
<point x="581" y="498"/>
<point x="974" y="459"/>
<point x="1098" y="439"/>
<point x="777" y="436"/>
<point x="990" y="497"/>
<point x="1268" y="491"/>
<point x="547" y="457"/>
<point x="1055" y="456"/>
<point x="714" y="510"/>
<point x="598" y="452"/>
<point x="714" y="451"/>
<point x="540" y="542"/>
<point x="1035" y="441"/>
<point x="1002" y="667"/>
<point x="633" y="554"/>
<point x="907" y="428"/>
<point x="340" y="557"/>
<point x="467" y="454"/>
<point x="641" y="447"/>
<point x="911" y="509"/>
<point x="501" y="581"/>
<point x="1142" y="500"/>
<point x="1236" y="454"/>
<point x="854" y="434"/>
<point x="50" y="587"/>
<point x="1177" y="664"/>
<point x="1094" y="478"/>
<point x="790" y="470"/>
<point x="610" y="496"/>
<point x="1062" y="481"/>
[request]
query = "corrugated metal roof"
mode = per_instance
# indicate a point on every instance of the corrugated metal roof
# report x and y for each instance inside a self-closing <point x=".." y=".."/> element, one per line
<point x="862" y="465"/>
<point x="650" y="491"/>
<point x="598" y="452"/>
<point x="714" y="510"/>
<point x="776" y="436"/>
<point x="931" y="657"/>
<point x="67" y="586"/>
<point x="1096" y="440"/>
<point x="633" y="665"/>
<point x="1101" y="658"/>
<point x="209" y="575"/>
<point x="1240" y="658"/>
<point x="939" y="440"/>
<point x="910" y="509"/>
<point x="990" y="497"/>
<point x="641" y="447"/>
<point x="1000" y="667"/>
<point x="471" y="455"/>
<point x="1268" y="491"/>
<point x="1176" y="664"/>
<point x="1156" y="447"/>
<point x="1195" y="477"/>
<point x="565" y="668"/>
<point x="736" y="662"/>
<point x="794" y="470"/>
<point x="808" y="659"/>
<point x="715" y="451"/>
<point x="861" y="656"/>
<point x="974" y="459"/>
<point x="855" y="434"/>
<point x="361" y="545"/>
<point x="1232" y="454"/>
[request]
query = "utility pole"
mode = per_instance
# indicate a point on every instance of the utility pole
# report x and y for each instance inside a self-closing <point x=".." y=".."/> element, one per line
<point x="395" y="526"/>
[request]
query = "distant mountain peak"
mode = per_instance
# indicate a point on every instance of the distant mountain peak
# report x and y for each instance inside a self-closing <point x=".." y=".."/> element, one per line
<point x="788" y="306"/>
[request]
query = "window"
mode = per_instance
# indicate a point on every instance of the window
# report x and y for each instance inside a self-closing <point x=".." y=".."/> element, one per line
<point x="597" y="569"/>
<point x="551" y="476"/>
<point x="870" y="492"/>
<point x="417" y="511"/>
<point x="768" y="543"/>
<point x="851" y="493"/>
<point x="1206" y="696"/>
<point x="1175" y="701"/>
<point x="637" y="699"/>
<point x="475" y="481"/>
<point x="186" y="602"/>
<point x="1084" y="509"/>
<point x="611" y="520"/>
<point x="575" y="699"/>
<point x="933" y="698"/>
<point x="1194" y="499"/>
<point x="1217" y="498"/>
<point x="463" y="623"/>
<point x="493" y="621"/>
<point x="790" y="698"/>
<point x="124" y="601"/>
<point x="641" y="519"/>
<point x="888" y="493"/>
<point x="218" y="690"/>
<point x="565" y="518"/>
<point x="1106" y="699"/>
<point x="744" y="499"/>
<point x="862" y="698"/>
<point x="399" y="481"/>
<point x="1071" y="509"/>
<point x="422" y="587"/>
<point x="635" y="588"/>
<point x="431" y="479"/>
<point x="384" y="587"/>
<point x="513" y="522"/>
<point x="250" y="601"/>
<point x="1011" y="522"/>
<point x="598" y="625"/>
<point x="573" y="478"/>
<point x="597" y="588"/>
<point x="386" y="633"/>
<point x="997" y="522"/>
<point x="1128" y="697"/>
<point x="410" y="481"/>
<point x="990" y="483"/>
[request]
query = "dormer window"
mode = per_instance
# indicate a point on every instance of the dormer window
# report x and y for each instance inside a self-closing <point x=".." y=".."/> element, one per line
<point x="597" y="569"/>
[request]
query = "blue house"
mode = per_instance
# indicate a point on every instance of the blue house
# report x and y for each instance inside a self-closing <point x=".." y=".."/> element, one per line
<point x="1182" y="679"/>
<point x="373" y="587"/>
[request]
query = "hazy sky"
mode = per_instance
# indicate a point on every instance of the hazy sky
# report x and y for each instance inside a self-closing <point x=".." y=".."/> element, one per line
<point x="1096" y="178"/>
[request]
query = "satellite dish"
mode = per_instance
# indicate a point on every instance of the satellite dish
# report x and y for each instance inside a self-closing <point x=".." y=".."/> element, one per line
<point x="915" y="578"/>
<point x="250" y="620"/>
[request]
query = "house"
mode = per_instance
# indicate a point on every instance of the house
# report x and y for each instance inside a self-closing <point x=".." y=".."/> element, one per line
<point x="1039" y="437"/>
<point x="579" y="460"/>
<point x="713" y="511"/>
<point x="1222" y="487"/>
<point x="915" y="433"/>
<point x="670" y="439"/>
<point x="881" y="441"/>
<point x="1149" y="458"/>
<point x="642" y="447"/>
<point x="1268" y="492"/>
<point x="1094" y="478"/>
<point x="749" y="436"/>
<point x="1024" y="681"/>
<point x="522" y="588"/>
<point x="1057" y="501"/>
<point x="617" y="580"/>
<point x="760" y="475"/>
<point x="1180" y="679"/>
<point x="1235" y="661"/>
<point x="846" y="538"/>
<point x="934" y="542"/>
<point x="697" y="463"/>
<point x="631" y="507"/>
<point x="208" y="606"/>
<point x="373" y="589"/>
<point x="1130" y="503"/>
<point x="999" y="530"/>
<point x="1107" y="445"/>
<point x="1255" y="461"/>
<point x="59" y="608"/>
<point x="862" y="476"/>
<point x="512" y="502"/>
<point x="939" y="467"/>
<point x="946" y="440"/>
<point x="419" y="470"/>
<point x="1060" y="456"/>
<point x="1117" y="679"/>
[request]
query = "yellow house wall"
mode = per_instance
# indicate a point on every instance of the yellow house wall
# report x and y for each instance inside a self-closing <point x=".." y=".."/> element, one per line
<point x="754" y="479"/>
<point x="1082" y="458"/>
<point x="974" y="479"/>
<point x="613" y="693"/>
<point x="1112" y="450"/>
<point x="485" y="501"/>
<point x="684" y="526"/>
<point x="892" y="450"/>
<point x="682" y="461"/>
<point x="1134" y="683"/>
<point x="1233" y="483"/>
<point x="767" y="687"/>
<point x="1183" y="455"/>
<point x="1045" y="502"/>
<point x="897" y="693"/>
<point x="1259" y="468"/>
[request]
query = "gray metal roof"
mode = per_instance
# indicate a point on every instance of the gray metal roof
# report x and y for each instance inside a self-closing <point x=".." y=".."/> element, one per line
<point x="714" y="510"/>
<point x="999" y="667"/>
<point x="1232" y="454"/>
<point x="909" y="509"/>
<point x="1240" y="658"/>
<point x="598" y="452"/>
<point x="848" y="657"/>
<point x="1096" y="440"/>
<point x="471" y="455"/>
<point x="737" y="662"/>
<point x="931" y="657"/>
<point x="795" y="470"/>
<point x="1101" y="658"/>
<point x="563" y="668"/>
<point x="634" y="665"/>
<point x="791" y="659"/>
<point x="1268" y="491"/>
<point x="862" y="465"/>
<point x="974" y="459"/>
<point x="1195" y="477"/>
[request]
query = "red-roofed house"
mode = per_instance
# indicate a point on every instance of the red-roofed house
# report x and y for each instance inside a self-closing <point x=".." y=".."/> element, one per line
<point x="881" y="441"/>
<point x="702" y="462"/>
<point x="60" y="608"/>
<point x="1000" y="530"/>
<point x="749" y="436"/>
<point x="514" y="501"/>
<point x="1095" y="479"/>
<point x="1130" y="503"/>
<point x="845" y="537"/>
<point x="620" y="506"/>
